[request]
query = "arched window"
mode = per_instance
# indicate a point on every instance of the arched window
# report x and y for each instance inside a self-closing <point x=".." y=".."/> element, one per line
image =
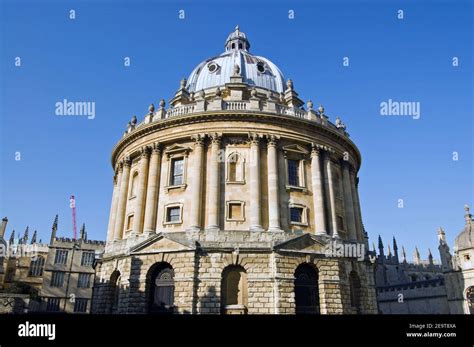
<point x="470" y="299"/>
<point x="354" y="283"/>
<point x="306" y="290"/>
<point x="235" y="168"/>
<point x="114" y="292"/>
<point x="133" y="190"/>
<point x="234" y="292"/>
<point x="161" y="288"/>
<point x="36" y="267"/>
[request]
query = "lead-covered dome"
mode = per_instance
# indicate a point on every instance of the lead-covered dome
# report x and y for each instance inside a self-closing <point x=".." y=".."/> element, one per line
<point x="255" y="70"/>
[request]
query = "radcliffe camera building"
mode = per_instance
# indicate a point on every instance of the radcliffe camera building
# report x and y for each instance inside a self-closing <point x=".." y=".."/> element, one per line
<point x="228" y="200"/>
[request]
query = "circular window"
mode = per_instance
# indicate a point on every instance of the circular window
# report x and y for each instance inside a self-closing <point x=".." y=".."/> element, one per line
<point x="261" y="67"/>
<point x="212" y="67"/>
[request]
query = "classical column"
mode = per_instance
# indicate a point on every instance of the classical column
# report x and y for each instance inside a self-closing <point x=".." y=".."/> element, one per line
<point x="113" y="207"/>
<point x="152" y="189"/>
<point x="214" y="184"/>
<point x="254" y="184"/>
<point x="332" y="197"/>
<point x="273" y="198"/>
<point x="357" y="213"/>
<point x="318" y="199"/>
<point x="196" y="188"/>
<point x="348" y="201"/>
<point x="122" y="202"/>
<point x="141" y="190"/>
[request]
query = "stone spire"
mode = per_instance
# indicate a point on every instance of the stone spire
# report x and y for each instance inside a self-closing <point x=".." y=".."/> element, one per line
<point x="404" y="255"/>
<point x="54" y="229"/>
<point x="33" y="239"/>
<point x="3" y="227"/>
<point x="83" y="233"/>
<point x="389" y="251"/>
<point x="395" y="250"/>
<point x="24" y="240"/>
<point x="381" y="247"/>
<point x="444" y="253"/>
<point x="12" y="238"/>
<point x="416" y="257"/>
<point x="430" y="257"/>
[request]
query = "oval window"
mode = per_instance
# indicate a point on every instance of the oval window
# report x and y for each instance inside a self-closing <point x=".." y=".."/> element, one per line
<point x="212" y="67"/>
<point x="261" y="67"/>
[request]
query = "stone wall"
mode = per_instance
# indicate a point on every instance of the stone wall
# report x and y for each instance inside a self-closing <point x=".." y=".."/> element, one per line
<point x="198" y="275"/>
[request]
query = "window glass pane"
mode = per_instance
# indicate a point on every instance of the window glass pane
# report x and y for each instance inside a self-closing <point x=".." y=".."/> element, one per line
<point x="57" y="279"/>
<point x="178" y="170"/>
<point x="296" y="214"/>
<point x="173" y="214"/>
<point x="87" y="258"/>
<point x="84" y="280"/>
<point x="61" y="257"/>
<point x="293" y="172"/>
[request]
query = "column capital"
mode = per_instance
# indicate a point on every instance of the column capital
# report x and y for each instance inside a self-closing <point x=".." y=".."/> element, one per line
<point x="127" y="162"/>
<point x="155" y="148"/>
<point x="145" y="152"/>
<point x="272" y="140"/>
<point x="198" y="139"/>
<point x="254" y="139"/>
<point x="216" y="138"/>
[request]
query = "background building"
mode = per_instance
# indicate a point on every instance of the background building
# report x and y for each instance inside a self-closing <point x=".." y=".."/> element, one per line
<point x="54" y="277"/>
<point x="403" y="287"/>
<point x="458" y="268"/>
<point x="227" y="201"/>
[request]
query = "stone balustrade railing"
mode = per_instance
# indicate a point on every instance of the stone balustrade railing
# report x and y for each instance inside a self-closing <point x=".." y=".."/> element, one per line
<point x="241" y="106"/>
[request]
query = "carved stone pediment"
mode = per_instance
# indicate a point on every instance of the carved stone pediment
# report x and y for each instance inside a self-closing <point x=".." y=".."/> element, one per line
<point x="160" y="243"/>
<point x="306" y="243"/>
<point x="296" y="149"/>
<point x="176" y="149"/>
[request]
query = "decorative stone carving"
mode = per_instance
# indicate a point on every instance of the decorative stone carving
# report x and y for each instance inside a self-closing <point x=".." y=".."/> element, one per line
<point x="151" y="109"/>
<point x="340" y="124"/>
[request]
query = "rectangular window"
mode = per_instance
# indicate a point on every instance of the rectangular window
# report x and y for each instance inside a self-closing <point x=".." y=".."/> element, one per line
<point x="296" y="214"/>
<point x="83" y="280"/>
<point x="53" y="305"/>
<point x="57" y="279"/>
<point x="130" y="222"/>
<point x="340" y="223"/>
<point x="177" y="171"/>
<point x="173" y="214"/>
<point x="293" y="173"/>
<point x="235" y="211"/>
<point x="87" y="258"/>
<point x="80" y="306"/>
<point x="61" y="257"/>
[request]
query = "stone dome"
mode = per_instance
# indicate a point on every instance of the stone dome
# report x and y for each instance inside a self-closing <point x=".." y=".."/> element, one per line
<point x="256" y="71"/>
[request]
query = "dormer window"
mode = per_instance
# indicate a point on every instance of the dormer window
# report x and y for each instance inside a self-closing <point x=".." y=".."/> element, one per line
<point x="261" y="67"/>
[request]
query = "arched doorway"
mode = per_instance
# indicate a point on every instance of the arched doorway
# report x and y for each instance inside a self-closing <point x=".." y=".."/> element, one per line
<point x="355" y="287"/>
<point x="114" y="292"/>
<point x="161" y="289"/>
<point x="306" y="290"/>
<point x="234" y="292"/>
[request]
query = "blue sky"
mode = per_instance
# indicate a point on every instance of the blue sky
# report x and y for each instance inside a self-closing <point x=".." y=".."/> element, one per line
<point x="82" y="60"/>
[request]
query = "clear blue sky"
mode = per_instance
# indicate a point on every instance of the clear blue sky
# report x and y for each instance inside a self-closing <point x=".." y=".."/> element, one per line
<point x="82" y="60"/>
